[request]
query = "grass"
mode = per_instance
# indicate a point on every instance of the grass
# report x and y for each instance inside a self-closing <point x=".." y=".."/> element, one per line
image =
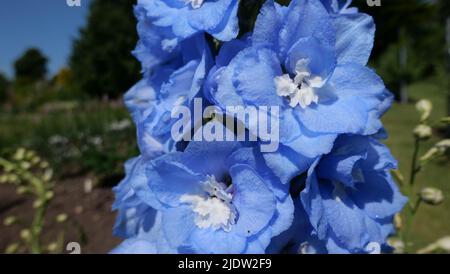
<point x="431" y="222"/>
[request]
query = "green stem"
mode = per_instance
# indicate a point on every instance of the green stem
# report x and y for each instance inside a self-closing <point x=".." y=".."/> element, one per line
<point x="40" y="190"/>
<point x="413" y="206"/>
<point x="416" y="206"/>
<point x="414" y="169"/>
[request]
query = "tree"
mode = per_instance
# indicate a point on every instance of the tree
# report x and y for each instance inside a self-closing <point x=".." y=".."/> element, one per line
<point x="4" y="83"/>
<point x="101" y="60"/>
<point x="31" y="66"/>
<point x="414" y="28"/>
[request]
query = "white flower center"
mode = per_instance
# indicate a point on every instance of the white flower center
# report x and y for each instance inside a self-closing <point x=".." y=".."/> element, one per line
<point x="302" y="89"/>
<point x="196" y="4"/>
<point x="213" y="208"/>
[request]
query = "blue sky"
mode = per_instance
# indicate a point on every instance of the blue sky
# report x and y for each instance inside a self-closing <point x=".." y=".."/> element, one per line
<point x="49" y="25"/>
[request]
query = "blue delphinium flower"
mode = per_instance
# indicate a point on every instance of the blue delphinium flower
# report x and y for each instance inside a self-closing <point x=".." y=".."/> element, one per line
<point x="219" y="197"/>
<point x="173" y="76"/>
<point x="328" y="188"/>
<point x="296" y="61"/>
<point x="189" y="17"/>
<point x="346" y="201"/>
<point x="350" y="197"/>
<point x="138" y="221"/>
<point x="339" y="6"/>
<point x="215" y="197"/>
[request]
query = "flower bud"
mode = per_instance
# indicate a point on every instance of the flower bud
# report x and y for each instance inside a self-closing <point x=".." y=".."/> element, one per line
<point x="398" y="176"/>
<point x="20" y="154"/>
<point x="398" y="222"/>
<point x="12" y="248"/>
<point x="9" y="221"/>
<point x="13" y="178"/>
<point x="48" y="174"/>
<point x="52" y="247"/>
<point x="44" y="165"/>
<point x="25" y="165"/>
<point x="424" y="107"/>
<point x="3" y="179"/>
<point x="61" y="218"/>
<point x="49" y="195"/>
<point x="25" y="234"/>
<point x="441" y="244"/>
<point x="29" y="154"/>
<point x="437" y="150"/>
<point x="423" y="132"/>
<point x="35" y="160"/>
<point x="22" y="190"/>
<point x="444" y="243"/>
<point x="431" y="196"/>
<point x="397" y="244"/>
<point x="38" y="203"/>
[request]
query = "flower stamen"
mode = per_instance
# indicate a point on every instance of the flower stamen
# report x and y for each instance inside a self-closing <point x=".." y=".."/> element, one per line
<point x="302" y="89"/>
<point x="214" y="207"/>
<point x="195" y="4"/>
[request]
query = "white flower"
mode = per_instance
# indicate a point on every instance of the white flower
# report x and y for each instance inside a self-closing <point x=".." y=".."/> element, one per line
<point x="432" y="196"/>
<point x="423" y="132"/>
<point x="424" y="107"/>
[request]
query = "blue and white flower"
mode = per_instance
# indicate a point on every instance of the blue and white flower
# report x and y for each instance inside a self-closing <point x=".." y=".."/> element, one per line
<point x="219" y="197"/>
<point x="186" y="18"/>
<point x="173" y="77"/>
<point x="350" y="197"/>
<point x="298" y="60"/>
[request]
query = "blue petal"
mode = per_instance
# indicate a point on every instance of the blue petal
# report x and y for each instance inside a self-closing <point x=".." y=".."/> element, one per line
<point x="217" y="18"/>
<point x="339" y="165"/>
<point x="208" y="241"/>
<point x="229" y="50"/>
<point x="178" y="224"/>
<point x="253" y="158"/>
<point x="284" y="216"/>
<point x="130" y="221"/>
<point x="354" y="38"/>
<point x="267" y="26"/>
<point x="254" y="201"/>
<point x="228" y="29"/>
<point x="306" y="18"/>
<point x="286" y="163"/>
<point x="149" y="239"/>
<point x="170" y="179"/>
<point x="311" y="144"/>
<point x="139" y="99"/>
<point x="357" y="91"/>
<point x="253" y="76"/>
<point x="150" y="50"/>
<point x="135" y="246"/>
<point x="322" y="57"/>
<point x="378" y="195"/>
<point x="257" y="244"/>
<point x="216" y="154"/>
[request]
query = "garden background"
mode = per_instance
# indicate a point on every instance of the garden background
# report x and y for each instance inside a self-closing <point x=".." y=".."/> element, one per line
<point x="73" y="116"/>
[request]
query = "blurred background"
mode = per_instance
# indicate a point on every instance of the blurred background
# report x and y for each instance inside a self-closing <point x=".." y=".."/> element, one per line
<point x="63" y="71"/>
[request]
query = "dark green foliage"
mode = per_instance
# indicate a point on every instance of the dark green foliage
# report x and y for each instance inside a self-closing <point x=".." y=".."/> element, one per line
<point x="415" y="23"/>
<point x="101" y="61"/>
<point x="76" y="138"/>
<point x="31" y="67"/>
<point x="4" y="83"/>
